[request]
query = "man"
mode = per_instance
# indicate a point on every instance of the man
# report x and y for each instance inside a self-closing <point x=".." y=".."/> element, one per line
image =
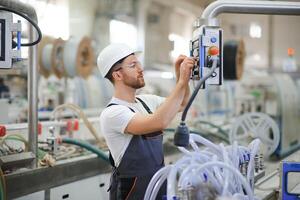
<point x="132" y="125"/>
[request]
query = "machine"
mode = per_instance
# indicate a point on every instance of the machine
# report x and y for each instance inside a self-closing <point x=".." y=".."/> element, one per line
<point x="290" y="176"/>
<point x="7" y="28"/>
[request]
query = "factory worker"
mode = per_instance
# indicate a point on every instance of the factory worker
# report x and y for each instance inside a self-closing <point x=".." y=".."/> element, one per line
<point x="132" y="124"/>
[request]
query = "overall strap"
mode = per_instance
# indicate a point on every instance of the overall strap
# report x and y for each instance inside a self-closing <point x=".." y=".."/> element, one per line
<point x="111" y="160"/>
<point x="113" y="104"/>
<point x="144" y="105"/>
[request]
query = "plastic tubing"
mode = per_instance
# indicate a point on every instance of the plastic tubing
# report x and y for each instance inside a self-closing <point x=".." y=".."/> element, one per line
<point x="155" y="178"/>
<point x="226" y="160"/>
<point x="87" y="146"/>
<point x="172" y="178"/>
<point x="190" y="177"/>
<point x="202" y="140"/>
<point x="194" y="145"/>
<point x="234" y="171"/>
<point x="158" y="184"/>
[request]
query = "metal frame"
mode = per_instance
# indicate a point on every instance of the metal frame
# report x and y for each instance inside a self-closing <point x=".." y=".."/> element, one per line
<point x="32" y="76"/>
<point x="250" y="7"/>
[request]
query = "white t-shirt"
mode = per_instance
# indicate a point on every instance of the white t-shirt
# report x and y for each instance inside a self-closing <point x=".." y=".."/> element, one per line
<point x="114" y="120"/>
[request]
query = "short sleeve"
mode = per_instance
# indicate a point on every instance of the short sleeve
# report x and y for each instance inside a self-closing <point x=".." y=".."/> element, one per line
<point x="115" y="118"/>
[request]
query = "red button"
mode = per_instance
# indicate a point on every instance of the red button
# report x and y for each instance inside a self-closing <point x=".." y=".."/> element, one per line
<point x="76" y="125"/>
<point x="2" y="131"/>
<point x="69" y="125"/>
<point x="40" y="129"/>
<point x="213" y="51"/>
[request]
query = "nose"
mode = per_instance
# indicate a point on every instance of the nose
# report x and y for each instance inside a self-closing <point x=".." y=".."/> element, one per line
<point x="140" y="67"/>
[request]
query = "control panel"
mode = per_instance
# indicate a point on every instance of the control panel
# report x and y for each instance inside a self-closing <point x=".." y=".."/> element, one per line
<point x="7" y="27"/>
<point x="290" y="175"/>
<point x="206" y="44"/>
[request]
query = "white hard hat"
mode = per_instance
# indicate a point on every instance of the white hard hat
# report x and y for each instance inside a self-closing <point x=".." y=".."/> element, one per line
<point x="112" y="54"/>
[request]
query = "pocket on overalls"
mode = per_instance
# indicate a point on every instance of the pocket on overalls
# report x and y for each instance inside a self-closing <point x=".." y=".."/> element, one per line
<point x="156" y="149"/>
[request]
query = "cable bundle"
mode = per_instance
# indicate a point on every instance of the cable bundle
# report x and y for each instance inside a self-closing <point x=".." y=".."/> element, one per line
<point x="215" y="171"/>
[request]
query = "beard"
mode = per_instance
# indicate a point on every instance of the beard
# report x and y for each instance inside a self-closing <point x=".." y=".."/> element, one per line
<point x="136" y="84"/>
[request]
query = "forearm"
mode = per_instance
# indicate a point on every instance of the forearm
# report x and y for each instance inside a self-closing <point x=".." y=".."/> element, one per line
<point x="187" y="92"/>
<point x="167" y="111"/>
<point x="185" y="98"/>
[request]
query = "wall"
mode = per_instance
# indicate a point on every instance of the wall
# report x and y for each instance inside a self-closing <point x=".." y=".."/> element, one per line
<point x="82" y="17"/>
<point x="285" y="34"/>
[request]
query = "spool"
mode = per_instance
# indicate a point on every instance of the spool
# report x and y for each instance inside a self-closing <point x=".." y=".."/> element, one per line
<point x="57" y="63"/>
<point x="233" y="59"/>
<point x="44" y="52"/>
<point x="78" y="57"/>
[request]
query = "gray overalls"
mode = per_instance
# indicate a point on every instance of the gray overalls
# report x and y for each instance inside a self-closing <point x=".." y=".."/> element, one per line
<point x="141" y="160"/>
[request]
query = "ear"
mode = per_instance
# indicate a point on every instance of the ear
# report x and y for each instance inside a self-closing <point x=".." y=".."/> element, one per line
<point x="117" y="75"/>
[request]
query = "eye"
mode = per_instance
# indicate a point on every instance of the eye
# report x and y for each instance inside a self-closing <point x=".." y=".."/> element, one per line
<point x="132" y="65"/>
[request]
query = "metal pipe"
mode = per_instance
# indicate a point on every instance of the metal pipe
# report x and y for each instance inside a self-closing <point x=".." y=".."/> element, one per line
<point x="45" y="124"/>
<point x="33" y="98"/>
<point x="21" y="7"/>
<point x="251" y="7"/>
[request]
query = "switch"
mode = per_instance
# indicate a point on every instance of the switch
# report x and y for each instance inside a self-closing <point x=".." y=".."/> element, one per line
<point x="213" y="51"/>
<point x="213" y="40"/>
<point x="2" y="131"/>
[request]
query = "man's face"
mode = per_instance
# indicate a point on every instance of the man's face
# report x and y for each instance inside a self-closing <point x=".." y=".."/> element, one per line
<point x="132" y="72"/>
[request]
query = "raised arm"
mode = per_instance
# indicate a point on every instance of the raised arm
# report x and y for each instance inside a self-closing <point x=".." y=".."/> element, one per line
<point x="160" y="119"/>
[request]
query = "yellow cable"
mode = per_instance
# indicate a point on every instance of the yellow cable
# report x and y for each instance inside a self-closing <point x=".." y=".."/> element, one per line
<point x="80" y="114"/>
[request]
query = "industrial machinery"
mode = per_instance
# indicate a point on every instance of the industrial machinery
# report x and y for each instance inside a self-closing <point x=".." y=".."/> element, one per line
<point x="207" y="43"/>
<point x="268" y="94"/>
<point x="209" y="58"/>
<point x="290" y="176"/>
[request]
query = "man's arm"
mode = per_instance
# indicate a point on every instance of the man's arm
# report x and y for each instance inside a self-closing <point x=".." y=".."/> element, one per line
<point x="185" y="100"/>
<point x="159" y="120"/>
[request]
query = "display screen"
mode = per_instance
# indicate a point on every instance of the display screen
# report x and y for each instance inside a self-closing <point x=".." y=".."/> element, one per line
<point x="293" y="183"/>
<point x="2" y="39"/>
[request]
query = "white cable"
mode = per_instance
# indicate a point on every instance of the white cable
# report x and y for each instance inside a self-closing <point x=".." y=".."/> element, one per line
<point x="217" y="165"/>
<point x="154" y="180"/>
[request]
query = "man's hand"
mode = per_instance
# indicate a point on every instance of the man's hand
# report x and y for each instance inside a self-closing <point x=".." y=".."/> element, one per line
<point x="178" y="62"/>
<point x="186" y="67"/>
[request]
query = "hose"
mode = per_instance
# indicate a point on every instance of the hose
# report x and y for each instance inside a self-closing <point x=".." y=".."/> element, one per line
<point x="216" y="165"/>
<point x="30" y="21"/>
<point x="195" y="92"/>
<point x="87" y="146"/>
<point x="81" y="114"/>
<point x="213" y="125"/>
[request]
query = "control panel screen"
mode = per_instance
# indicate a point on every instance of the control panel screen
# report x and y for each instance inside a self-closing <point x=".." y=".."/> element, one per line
<point x="2" y="39"/>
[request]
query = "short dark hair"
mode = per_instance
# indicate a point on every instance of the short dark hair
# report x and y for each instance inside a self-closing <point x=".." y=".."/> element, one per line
<point x="114" y="67"/>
